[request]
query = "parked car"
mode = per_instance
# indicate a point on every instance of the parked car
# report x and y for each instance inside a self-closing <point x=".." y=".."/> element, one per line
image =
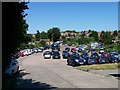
<point x="56" y="55"/>
<point x="73" y="49"/>
<point x="94" y="59"/>
<point x="93" y="51"/>
<point x="65" y="54"/>
<point x="47" y="55"/>
<point x="85" y="56"/>
<point x="20" y="54"/>
<point x="40" y="49"/>
<point x="107" y="55"/>
<point x="55" y="46"/>
<point x="67" y="49"/>
<point x="114" y="57"/>
<point x="35" y="50"/>
<point x="101" y="50"/>
<point x="12" y="68"/>
<point x="77" y="48"/>
<point x="103" y="59"/>
<point x="75" y="60"/>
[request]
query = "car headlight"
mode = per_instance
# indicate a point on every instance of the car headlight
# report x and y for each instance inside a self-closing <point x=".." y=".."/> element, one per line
<point x="76" y="60"/>
<point x="84" y="60"/>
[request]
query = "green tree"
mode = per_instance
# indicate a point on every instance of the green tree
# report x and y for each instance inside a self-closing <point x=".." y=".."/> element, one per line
<point x="28" y="38"/>
<point x="115" y="33"/>
<point x="94" y="34"/>
<point x="14" y="28"/>
<point x="42" y="43"/>
<point x="43" y="35"/>
<point x="37" y="36"/>
<point x="54" y="34"/>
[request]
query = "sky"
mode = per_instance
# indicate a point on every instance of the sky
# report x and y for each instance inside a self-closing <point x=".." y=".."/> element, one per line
<point x="77" y="16"/>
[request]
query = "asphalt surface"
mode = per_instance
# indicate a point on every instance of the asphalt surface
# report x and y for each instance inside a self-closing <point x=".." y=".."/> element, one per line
<point x="37" y="72"/>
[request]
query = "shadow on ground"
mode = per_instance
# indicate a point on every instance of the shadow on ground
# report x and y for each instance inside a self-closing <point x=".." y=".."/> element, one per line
<point x="116" y="75"/>
<point x="18" y="82"/>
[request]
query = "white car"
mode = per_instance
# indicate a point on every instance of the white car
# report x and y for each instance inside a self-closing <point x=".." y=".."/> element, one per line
<point x="30" y="51"/>
<point x="13" y="68"/>
<point x="27" y="52"/>
<point x="40" y="50"/>
<point x="47" y="55"/>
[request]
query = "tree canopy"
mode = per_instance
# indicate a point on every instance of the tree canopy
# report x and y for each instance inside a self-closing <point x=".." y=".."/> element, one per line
<point x="14" y="28"/>
<point x="54" y="34"/>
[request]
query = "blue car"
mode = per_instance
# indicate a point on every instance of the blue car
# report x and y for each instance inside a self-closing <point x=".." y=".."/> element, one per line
<point x="85" y="56"/>
<point x="65" y="54"/>
<point x="75" y="60"/>
<point x="114" y="57"/>
<point x="102" y="59"/>
<point x="94" y="59"/>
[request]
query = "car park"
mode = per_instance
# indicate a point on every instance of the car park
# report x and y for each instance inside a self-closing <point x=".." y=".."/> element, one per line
<point x="47" y="55"/>
<point x="75" y="59"/>
<point x="56" y="55"/>
<point x="93" y="59"/>
<point x="12" y="68"/>
<point x="65" y="54"/>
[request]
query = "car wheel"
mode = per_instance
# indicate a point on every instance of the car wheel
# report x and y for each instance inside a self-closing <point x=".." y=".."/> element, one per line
<point x="73" y="64"/>
<point x="68" y="62"/>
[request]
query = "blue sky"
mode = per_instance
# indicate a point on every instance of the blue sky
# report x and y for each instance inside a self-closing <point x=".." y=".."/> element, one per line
<point x="77" y="16"/>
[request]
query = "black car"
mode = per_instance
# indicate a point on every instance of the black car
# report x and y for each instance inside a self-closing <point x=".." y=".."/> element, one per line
<point x="65" y="54"/>
<point x="55" y="46"/>
<point x="67" y="49"/>
<point x="56" y="55"/>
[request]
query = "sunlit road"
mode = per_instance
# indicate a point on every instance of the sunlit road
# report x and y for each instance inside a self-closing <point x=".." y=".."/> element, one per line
<point x="37" y="72"/>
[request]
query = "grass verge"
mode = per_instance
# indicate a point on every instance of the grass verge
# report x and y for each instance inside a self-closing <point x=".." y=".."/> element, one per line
<point x="99" y="66"/>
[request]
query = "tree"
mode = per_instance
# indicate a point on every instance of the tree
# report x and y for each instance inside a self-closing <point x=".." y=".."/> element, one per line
<point x="94" y="34"/>
<point x="115" y="33"/>
<point x="28" y="38"/>
<point x="43" y="35"/>
<point x="14" y="28"/>
<point x="54" y="34"/>
<point x="102" y="37"/>
<point x="107" y="38"/>
<point x="89" y="31"/>
<point x="42" y="43"/>
<point x="37" y="36"/>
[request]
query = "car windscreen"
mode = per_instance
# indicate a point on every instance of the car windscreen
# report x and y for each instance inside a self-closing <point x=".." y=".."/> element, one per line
<point x="56" y="53"/>
<point x="95" y="55"/>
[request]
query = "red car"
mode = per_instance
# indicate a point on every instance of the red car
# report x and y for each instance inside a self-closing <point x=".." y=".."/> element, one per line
<point x="20" y="54"/>
<point x="73" y="49"/>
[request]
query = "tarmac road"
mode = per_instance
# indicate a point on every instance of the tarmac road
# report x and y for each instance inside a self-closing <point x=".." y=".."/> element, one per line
<point x="37" y="72"/>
